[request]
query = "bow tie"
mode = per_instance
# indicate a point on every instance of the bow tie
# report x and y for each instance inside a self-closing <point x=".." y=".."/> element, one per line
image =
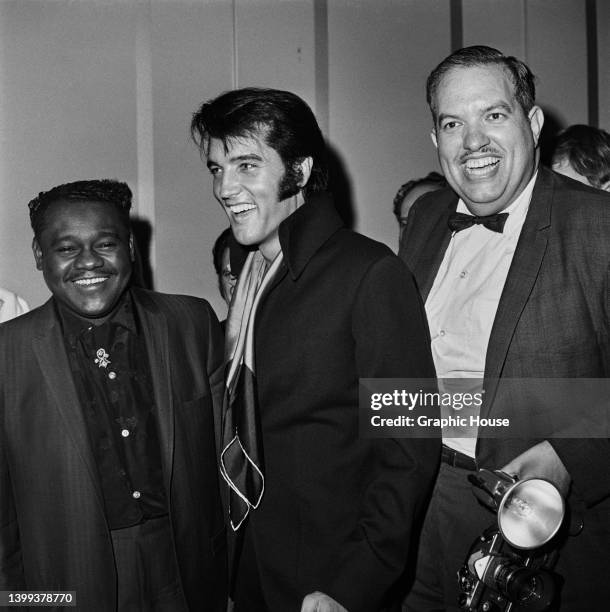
<point x="459" y="221"/>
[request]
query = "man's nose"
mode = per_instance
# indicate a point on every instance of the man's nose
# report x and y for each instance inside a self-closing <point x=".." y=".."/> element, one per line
<point x="88" y="259"/>
<point x="475" y="138"/>
<point x="228" y="185"/>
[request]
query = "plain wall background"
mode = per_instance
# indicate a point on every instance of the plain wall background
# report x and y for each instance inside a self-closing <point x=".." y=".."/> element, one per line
<point x="106" y="88"/>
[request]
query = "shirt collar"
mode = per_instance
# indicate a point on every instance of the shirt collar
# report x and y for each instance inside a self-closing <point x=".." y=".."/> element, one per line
<point x="517" y="209"/>
<point x="73" y="326"/>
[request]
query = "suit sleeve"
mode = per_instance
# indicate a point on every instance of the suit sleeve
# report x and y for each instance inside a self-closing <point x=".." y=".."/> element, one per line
<point x="587" y="460"/>
<point x="215" y="370"/>
<point x="391" y="341"/>
<point x="11" y="567"/>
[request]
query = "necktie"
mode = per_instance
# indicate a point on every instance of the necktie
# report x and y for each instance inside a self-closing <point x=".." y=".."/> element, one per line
<point x="459" y="221"/>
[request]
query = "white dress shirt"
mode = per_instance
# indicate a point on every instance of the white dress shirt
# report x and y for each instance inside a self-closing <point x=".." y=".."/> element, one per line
<point x="462" y="303"/>
<point x="11" y="305"/>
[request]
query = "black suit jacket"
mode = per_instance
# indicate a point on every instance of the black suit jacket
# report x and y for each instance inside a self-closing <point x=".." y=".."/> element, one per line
<point x="338" y="509"/>
<point x="552" y="319"/>
<point x="53" y="532"/>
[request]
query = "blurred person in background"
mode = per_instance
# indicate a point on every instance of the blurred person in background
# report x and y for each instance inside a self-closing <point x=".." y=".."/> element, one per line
<point x="11" y="305"/>
<point x="582" y="152"/>
<point x="410" y="192"/>
<point x="221" y="255"/>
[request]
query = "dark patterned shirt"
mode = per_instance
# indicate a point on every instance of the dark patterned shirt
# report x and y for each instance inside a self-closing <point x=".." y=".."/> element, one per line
<point x="111" y="374"/>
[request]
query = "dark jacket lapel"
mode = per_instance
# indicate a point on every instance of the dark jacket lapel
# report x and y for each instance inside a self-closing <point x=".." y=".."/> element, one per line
<point x="427" y="236"/>
<point x="306" y="230"/>
<point x="156" y="336"/>
<point x="48" y="346"/>
<point x="521" y="278"/>
<point x="301" y="235"/>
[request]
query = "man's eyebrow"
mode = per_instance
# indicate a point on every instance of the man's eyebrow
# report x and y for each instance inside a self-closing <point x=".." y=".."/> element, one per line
<point x="238" y="158"/>
<point x="499" y="106"/>
<point x="495" y="106"/>
<point x="109" y="232"/>
<point x="444" y="116"/>
<point x="101" y="233"/>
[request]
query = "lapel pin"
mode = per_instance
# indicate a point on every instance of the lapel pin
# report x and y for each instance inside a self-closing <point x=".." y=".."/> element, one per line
<point x="102" y="358"/>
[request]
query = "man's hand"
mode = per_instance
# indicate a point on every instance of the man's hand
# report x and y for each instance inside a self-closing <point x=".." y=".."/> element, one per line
<point x="318" y="602"/>
<point x="540" y="461"/>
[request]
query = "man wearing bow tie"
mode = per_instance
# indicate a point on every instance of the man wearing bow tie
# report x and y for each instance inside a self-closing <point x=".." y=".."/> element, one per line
<point x="512" y="262"/>
<point x="108" y="478"/>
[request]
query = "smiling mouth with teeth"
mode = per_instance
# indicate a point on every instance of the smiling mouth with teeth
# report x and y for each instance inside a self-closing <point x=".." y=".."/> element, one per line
<point x="237" y="209"/>
<point x="481" y="165"/>
<point x="85" y="282"/>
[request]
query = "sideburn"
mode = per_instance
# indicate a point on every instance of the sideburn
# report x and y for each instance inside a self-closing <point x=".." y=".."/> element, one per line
<point x="290" y="184"/>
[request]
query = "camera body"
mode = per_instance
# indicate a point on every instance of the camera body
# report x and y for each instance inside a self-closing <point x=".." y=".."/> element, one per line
<point x="509" y="567"/>
<point x="497" y="577"/>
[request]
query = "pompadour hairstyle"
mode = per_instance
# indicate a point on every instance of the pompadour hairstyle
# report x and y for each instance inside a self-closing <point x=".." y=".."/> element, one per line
<point x="587" y="149"/>
<point x="110" y="191"/>
<point x="284" y="120"/>
<point x="480" y="55"/>
<point x="432" y="178"/>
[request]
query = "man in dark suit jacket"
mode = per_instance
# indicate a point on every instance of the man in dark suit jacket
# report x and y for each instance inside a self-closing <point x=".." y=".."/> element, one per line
<point x="108" y="471"/>
<point x="529" y="299"/>
<point x="326" y="515"/>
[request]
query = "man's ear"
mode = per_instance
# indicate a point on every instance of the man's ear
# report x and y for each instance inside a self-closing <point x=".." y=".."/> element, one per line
<point x="433" y="136"/>
<point x="536" y="119"/>
<point x="304" y="170"/>
<point x="37" y="253"/>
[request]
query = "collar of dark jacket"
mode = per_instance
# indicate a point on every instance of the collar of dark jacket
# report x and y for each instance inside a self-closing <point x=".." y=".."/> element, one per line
<point x="306" y="230"/>
<point x="301" y="234"/>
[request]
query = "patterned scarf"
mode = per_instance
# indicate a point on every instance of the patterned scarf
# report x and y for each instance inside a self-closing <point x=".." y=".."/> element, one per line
<point x="241" y="460"/>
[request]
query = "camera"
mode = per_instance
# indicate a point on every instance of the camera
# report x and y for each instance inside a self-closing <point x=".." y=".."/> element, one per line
<point x="496" y="577"/>
<point x="509" y="567"/>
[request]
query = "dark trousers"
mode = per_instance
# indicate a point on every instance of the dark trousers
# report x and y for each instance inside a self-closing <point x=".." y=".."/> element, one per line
<point x="147" y="572"/>
<point x="453" y="521"/>
<point x="247" y="594"/>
